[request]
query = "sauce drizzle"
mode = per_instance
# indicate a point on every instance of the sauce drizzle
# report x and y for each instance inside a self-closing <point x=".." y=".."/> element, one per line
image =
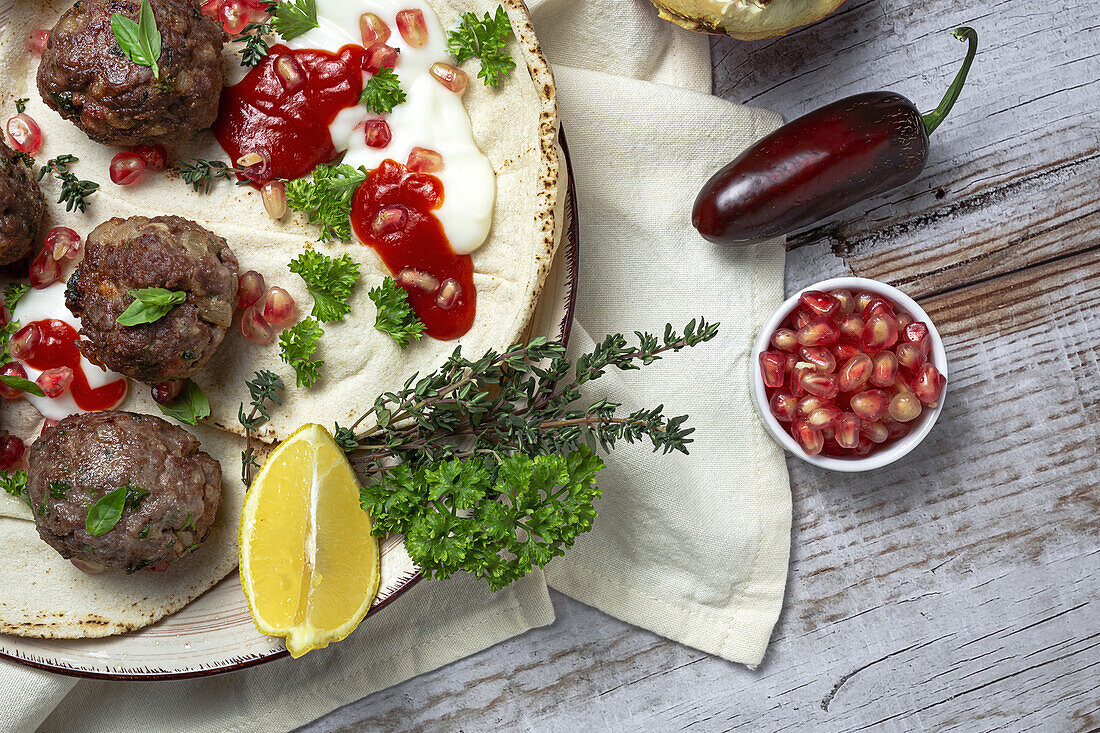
<point x="57" y="348"/>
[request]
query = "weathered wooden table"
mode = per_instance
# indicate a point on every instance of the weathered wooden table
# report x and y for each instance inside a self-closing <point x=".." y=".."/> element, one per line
<point x="959" y="589"/>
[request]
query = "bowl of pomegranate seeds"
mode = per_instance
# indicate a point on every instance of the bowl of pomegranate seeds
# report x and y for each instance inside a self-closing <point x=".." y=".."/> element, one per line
<point x="850" y="374"/>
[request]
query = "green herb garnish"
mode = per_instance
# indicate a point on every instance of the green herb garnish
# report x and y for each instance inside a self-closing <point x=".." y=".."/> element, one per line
<point x="58" y="489"/>
<point x="330" y="281"/>
<point x="383" y="92"/>
<point x="255" y="46"/>
<point x="190" y="407"/>
<point x="485" y="39"/>
<point x="296" y="347"/>
<point x="15" y="483"/>
<point x="22" y="384"/>
<point x="326" y="196"/>
<point x="140" y="42"/>
<point x="150" y="305"/>
<point x="6" y="332"/>
<point x="21" y="104"/>
<point x="14" y="292"/>
<point x="294" y="17"/>
<point x="266" y="390"/>
<point x="104" y="514"/>
<point x="201" y="174"/>
<point x="74" y="192"/>
<point x="395" y="316"/>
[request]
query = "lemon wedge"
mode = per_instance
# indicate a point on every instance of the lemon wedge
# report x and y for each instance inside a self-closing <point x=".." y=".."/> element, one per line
<point x="309" y="565"/>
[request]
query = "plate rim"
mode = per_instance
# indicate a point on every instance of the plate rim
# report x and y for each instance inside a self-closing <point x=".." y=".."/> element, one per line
<point x="566" y="329"/>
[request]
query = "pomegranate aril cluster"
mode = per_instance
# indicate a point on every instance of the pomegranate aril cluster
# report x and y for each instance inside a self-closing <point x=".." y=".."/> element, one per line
<point x="846" y="372"/>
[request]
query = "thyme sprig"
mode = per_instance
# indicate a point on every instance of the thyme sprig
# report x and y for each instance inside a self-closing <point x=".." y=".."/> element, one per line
<point x="266" y="391"/>
<point x="201" y="173"/>
<point x="256" y="45"/>
<point x="74" y="192"/>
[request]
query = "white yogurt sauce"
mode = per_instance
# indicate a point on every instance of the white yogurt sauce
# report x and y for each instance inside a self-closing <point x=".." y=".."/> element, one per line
<point x="40" y="305"/>
<point x="431" y="117"/>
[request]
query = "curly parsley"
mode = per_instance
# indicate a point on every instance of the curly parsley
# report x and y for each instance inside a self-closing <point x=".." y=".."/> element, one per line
<point x="326" y="197"/>
<point x="395" y="316"/>
<point x="383" y="92"/>
<point x="296" y="347"/>
<point x="330" y="280"/>
<point x="485" y="39"/>
<point x="15" y="483"/>
<point x="14" y="292"/>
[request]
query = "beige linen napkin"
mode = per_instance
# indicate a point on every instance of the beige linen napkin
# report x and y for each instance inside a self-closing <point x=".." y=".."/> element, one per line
<point x="694" y="548"/>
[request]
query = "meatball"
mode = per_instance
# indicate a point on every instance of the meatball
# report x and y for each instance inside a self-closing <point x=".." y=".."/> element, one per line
<point x="21" y="206"/>
<point x="172" y="489"/>
<point x="165" y="252"/>
<point x="85" y="76"/>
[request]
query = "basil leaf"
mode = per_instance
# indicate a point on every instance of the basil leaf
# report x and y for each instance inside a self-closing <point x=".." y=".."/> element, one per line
<point x="140" y="41"/>
<point x="22" y="384"/>
<point x="190" y="407"/>
<point x="150" y="304"/>
<point x="105" y="513"/>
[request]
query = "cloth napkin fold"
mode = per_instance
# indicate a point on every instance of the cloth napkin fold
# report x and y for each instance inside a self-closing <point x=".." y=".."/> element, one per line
<point x="694" y="548"/>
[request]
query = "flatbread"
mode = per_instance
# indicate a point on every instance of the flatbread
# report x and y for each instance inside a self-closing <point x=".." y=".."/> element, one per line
<point x="515" y="126"/>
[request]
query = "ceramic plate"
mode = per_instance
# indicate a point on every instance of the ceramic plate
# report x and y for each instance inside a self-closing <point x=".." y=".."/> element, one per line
<point x="214" y="633"/>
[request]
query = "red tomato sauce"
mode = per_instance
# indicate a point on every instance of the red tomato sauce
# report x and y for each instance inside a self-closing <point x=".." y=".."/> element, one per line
<point x="421" y="244"/>
<point x="292" y="127"/>
<point x="57" y="348"/>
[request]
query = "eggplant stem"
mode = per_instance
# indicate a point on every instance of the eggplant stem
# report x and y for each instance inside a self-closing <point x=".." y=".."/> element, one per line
<point x="933" y="119"/>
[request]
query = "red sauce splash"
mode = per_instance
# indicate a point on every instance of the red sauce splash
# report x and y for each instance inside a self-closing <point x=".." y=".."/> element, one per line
<point x="58" y="349"/>
<point x="421" y="244"/>
<point x="291" y="127"/>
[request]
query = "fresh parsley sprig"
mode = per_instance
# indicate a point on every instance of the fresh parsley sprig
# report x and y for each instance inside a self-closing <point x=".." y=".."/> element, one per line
<point x="326" y="196"/>
<point x="15" y="483"/>
<point x="485" y="39"/>
<point x="150" y="305"/>
<point x="14" y="292"/>
<point x="266" y="390"/>
<point x="140" y="42"/>
<point x="394" y="314"/>
<point x="297" y="345"/>
<point x="330" y="280"/>
<point x="383" y="92"/>
<point x="293" y="18"/>
<point x="74" y="192"/>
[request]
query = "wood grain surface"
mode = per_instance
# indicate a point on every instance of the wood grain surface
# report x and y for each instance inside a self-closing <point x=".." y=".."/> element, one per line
<point x="958" y="589"/>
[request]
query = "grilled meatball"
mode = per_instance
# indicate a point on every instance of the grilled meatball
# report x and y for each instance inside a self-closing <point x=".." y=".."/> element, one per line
<point x="21" y="206"/>
<point x="85" y="76"/>
<point x="165" y="252"/>
<point x="173" y="489"/>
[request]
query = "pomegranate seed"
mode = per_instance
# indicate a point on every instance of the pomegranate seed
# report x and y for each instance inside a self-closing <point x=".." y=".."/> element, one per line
<point x="824" y="417"/>
<point x="821" y="304"/>
<point x="855" y="372"/>
<point x="12" y="450"/>
<point x="12" y="369"/>
<point x="55" y="381"/>
<point x="126" y="168"/>
<point x="894" y="429"/>
<point x="24" y="343"/>
<point x="254" y="327"/>
<point x="91" y="568"/>
<point x="373" y="29"/>
<point x="389" y="220"/>
<point x="828" y="435"/>
<point x="44" y="270"/>
<point x="869" y="405"/>
<point x="847" y="301"/>
<point x="47" y="423"/>
<point x="818" y="333"/>
<point x="35" y="41"/>
<point x="64" y="243"/>
<point x="822" y="385"/>
<point x="863" y="300"/>
<point x="822" y="359"/>
<point x="377" y="133"/>
<point x="379" y="56"/>
<point x="451" y="77"/>
<point x="166" y="393"/>
<point x="877" y="304"/>
<point x="25" y="134"/>
<point x="255" y="166"/>
<point x="250" y="287"/>
<point x="210" y="8"/>
<point x="863" y="448"/>
<point x="904" y="319"/>
<point x="917" y="333"/>
<point x="810" y="439"/>
<point x="885" y="372"/>
<point x="909" y="356"/>
<point x="800" y="368"/>
<point x="413" y="28"/>
<point x="279" y="308"/>
<point x="783" y="406"/>
<point x="881" y="332"/>
<point x="423" y="160"/>
<point x="773" y="366"/>
<point x="411" y="278"/>
<point x="155" y="156"/>
<point x="845" y="349"/>
<point x="784" y="339"/>
<point x="876" y="432"/>
<point x="234" y="16"/>
<point x="852" y="326"/>
<point x="802" y="317"/>
<point x="5" y="315"/>
<point x="847" y="430"/>
<point x="450" y="291"/>
<point x="928" y="384"/>
<point x="290" y="73"/>
<point x="273" y="194"/>
<point x="905" y="407"/>
<point x="808" y="404"/>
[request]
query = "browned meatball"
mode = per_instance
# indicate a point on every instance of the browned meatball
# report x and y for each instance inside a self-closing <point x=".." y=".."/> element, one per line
<point x="173" y="487"/>
<point x="165" y="252"/>
<point x="21" y="206"/>
<point x="85" y="76"/>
